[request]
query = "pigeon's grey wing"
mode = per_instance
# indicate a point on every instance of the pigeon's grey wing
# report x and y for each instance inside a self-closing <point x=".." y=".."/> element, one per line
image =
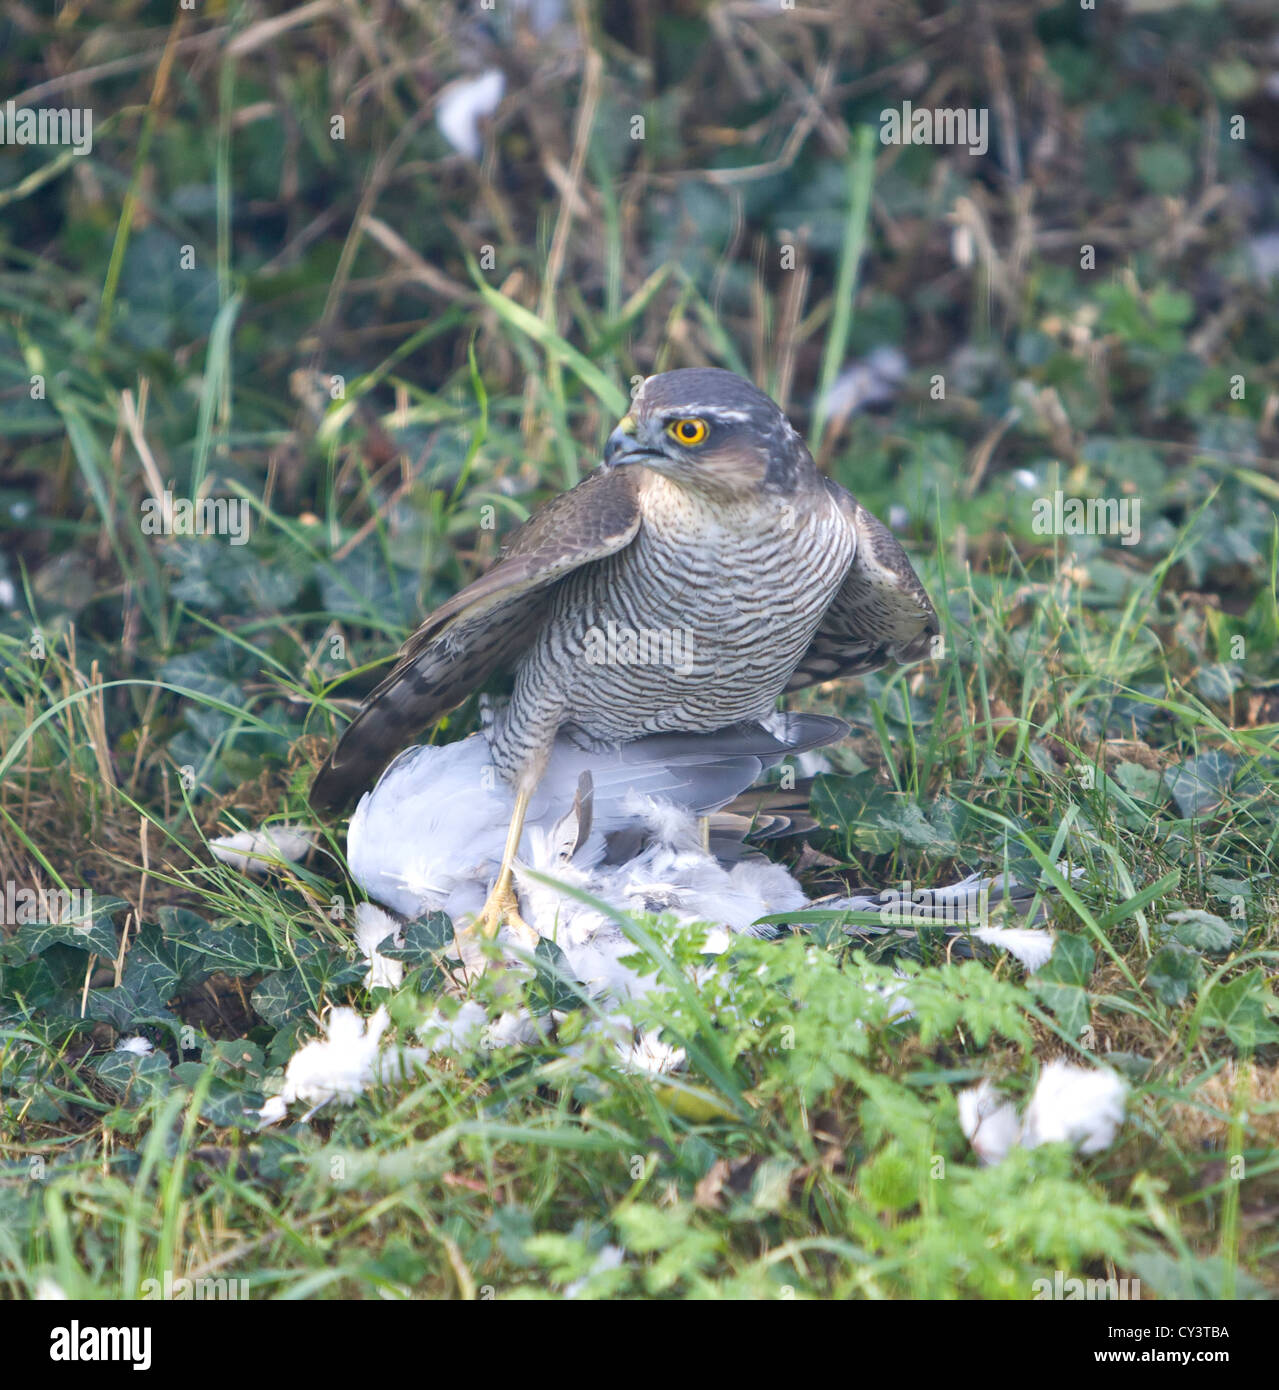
<point x="781" y="735"/>
<point x="881" y="612"/>
<point x="697" y="785"/>
<point x="698" y="772"/>
<point x="481" y="630"/>
<point x="772" y="812"/>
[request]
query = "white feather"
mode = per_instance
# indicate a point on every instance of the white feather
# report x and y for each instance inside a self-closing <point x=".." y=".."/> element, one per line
<point x="338" y="1066"/>
<point x="463" y="104"/>
<point x="1080" y="1106"/>
<point x="1031" y="946"/>
<point x="259" y="851"/>
<point x="373" y="926"/>
<point x="989" y="1123"/>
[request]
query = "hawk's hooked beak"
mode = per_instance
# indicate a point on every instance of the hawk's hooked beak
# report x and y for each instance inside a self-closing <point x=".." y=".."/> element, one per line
<point x="623" y="444"/>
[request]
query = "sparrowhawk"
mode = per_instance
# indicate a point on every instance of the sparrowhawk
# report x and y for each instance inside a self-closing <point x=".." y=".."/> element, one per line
<point x="707" y="568"/>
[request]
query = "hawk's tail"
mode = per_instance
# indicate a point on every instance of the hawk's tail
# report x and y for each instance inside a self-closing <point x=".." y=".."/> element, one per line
<point x="368" y="743"/>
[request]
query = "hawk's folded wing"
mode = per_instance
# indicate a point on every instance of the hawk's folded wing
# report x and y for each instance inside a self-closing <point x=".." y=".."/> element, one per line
<point x="480" y="630"/>
<point x="881" y="612"/>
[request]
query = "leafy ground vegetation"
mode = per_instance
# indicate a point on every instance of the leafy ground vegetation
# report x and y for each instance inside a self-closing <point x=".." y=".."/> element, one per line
<point x="273" y="279"/>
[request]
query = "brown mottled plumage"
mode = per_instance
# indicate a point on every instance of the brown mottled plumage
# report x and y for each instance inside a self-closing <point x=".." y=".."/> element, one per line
<point x="879" y="612"/>
<point x="484" y="628"/>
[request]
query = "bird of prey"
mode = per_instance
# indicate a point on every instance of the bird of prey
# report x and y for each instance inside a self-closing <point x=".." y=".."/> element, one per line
<point x="707" y="568"/>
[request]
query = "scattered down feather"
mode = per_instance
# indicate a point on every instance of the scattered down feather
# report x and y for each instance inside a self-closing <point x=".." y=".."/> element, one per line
<point x="341" y="1065"/>
<point x="463" y="104"/>
<point x="258" y="852"/>
<point x="1079" y="1106"/>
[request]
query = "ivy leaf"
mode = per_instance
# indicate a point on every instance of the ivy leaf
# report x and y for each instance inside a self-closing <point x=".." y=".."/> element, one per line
<point x="879" y="821"/>
<point x="1226" y="890"/>
<point x="843" y="800"/>
<point x="1239" y="1009"/>
<point x="1217" y="682"/>
<point x="226" y="1100"/>
<point x="156" y="969"/>
<point x="1141" y="783"/>
<point x="936" y="830"/>
<point x="125" y="1008"/>
<point x="254" y="581"/>
<point x="159" y="967"/>
<point x="1063" y="983"/>
<point x="287" y="995"/>
<point x="135" y="1079"/>
<point x="173" y="943"/>
<point x="46" y="988"/>
<point x="1199" y="931"/>
<point x="1199" y="784"/>
<point x="554" y="987"/>
<point x="142" y="996"/>
<point x="199" y="567"/>
<point x="236" y="948"/>
<point x="96" y="934"/>
<point x="424" y="938"/>
<point x="236" y="1055"/>
<point x="1173" y="973"/>
<point x="226" y="1105"/>
<point x="282" y="997"/>
<point x="359" y="587"/>
<point x="265" y="585"/>
<point x="216" y="670"/>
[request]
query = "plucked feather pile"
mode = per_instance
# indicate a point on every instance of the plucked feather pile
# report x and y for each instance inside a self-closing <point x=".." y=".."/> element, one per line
<point x="429" y="836"/>
<point x="620" y="826"/>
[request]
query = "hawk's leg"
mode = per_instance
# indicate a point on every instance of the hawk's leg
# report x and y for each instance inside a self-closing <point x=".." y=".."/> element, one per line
<point x="521" y="734"/>
<point x="502" y="905"/>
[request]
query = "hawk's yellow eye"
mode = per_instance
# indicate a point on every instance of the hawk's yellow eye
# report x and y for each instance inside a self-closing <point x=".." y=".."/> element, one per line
<point x="688" y="431"/>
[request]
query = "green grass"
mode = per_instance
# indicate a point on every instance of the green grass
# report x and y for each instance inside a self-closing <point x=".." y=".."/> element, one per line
<point x="1109" y="709"/>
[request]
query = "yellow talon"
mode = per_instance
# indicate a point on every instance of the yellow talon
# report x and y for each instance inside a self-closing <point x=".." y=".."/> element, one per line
<point x="502" y="907"/>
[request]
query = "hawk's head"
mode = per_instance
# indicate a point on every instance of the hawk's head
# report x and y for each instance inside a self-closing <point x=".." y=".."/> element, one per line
<point x="712" y="430"/>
